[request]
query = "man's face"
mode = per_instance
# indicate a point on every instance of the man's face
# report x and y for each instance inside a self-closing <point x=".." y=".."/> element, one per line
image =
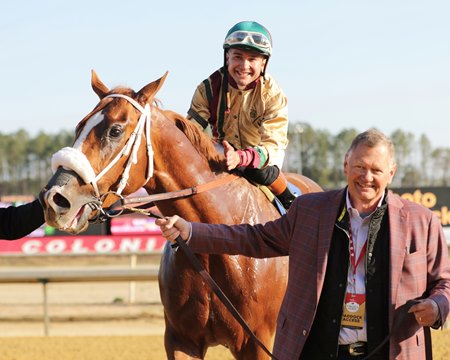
<point x="369" y="171"/>
<point x="244" y="66"/>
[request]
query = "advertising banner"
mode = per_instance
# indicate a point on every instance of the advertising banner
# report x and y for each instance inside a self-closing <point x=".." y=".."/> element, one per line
<point x="436" y="199"/>
<point x="79" y="245"/>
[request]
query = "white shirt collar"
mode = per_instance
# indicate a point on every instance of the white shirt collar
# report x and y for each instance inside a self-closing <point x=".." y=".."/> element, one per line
<point x="351" y="209"/>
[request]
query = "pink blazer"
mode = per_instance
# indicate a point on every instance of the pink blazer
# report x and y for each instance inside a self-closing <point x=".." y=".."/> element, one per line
<point x="418" y="263"/>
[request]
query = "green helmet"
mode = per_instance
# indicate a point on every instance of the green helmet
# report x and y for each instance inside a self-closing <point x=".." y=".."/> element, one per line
<point x="249" y="35"/>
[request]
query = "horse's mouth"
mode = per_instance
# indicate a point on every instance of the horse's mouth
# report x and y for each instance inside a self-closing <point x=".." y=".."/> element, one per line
<point x="80" y="221"/>
<point x="65" y="213"/>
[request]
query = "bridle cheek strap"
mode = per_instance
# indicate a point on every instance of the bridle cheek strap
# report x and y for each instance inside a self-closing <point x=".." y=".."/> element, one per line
<point x="73" y="159"/>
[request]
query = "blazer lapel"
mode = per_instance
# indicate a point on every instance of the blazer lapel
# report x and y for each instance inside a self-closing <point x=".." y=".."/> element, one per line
<point x="398" y="228"/>
<point x="326" y="228"/>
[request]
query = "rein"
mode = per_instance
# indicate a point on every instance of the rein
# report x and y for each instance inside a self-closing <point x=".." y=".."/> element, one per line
<point x="402" y="313"/>
<point x="220" y="294"/>
<point x="213" y="285"/>
<point x="121" y="205"/>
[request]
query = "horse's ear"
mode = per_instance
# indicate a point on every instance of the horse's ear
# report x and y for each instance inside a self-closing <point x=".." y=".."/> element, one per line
<point x="97" y="85"/>
<point x="148" y="92"/>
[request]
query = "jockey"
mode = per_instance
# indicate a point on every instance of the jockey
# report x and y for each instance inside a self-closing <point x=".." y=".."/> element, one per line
<point x="243" y="107"/>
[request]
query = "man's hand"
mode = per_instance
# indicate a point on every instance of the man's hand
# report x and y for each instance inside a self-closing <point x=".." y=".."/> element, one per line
<point x="231" y="155"/>
<point x="426" y="312"/>
<point x="173" y="226"/>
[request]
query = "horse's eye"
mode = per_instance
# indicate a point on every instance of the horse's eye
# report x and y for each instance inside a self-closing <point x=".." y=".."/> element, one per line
<point x="115" y="131"/>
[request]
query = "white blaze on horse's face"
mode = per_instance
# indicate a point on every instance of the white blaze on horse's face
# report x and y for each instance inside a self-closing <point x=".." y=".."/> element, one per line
<point x="78" y="162"/>
<point x="74" y="159"/>
<point x="90" y="124"/>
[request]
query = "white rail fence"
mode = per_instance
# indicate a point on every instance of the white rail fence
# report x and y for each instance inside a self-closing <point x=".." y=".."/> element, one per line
<point x="72" y="274"/>
<point x="77" y="247"/>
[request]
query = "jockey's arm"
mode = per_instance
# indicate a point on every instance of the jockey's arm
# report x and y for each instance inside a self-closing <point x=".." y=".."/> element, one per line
<point x="199" y="112"/>
<point x="274" y="128"/>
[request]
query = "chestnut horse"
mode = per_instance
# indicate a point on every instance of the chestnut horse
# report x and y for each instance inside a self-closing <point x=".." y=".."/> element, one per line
<point x="127" y="142"/>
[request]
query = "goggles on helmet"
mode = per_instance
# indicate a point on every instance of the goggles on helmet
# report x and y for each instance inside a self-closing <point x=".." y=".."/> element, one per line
<point x="258" y="40"/>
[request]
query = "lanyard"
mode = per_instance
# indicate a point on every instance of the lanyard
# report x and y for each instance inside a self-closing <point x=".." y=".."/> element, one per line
<point x="355" y="262"/>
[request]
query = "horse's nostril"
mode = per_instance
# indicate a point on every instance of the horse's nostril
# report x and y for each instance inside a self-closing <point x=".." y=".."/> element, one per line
<point x="61" y="201"/>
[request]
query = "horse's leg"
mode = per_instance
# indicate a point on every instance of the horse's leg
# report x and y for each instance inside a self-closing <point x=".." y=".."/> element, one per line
<point x="181" y="349"/>
<point x="252" y="351"/>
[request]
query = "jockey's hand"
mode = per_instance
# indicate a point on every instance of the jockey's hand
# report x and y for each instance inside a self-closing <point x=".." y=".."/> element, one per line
<point x="173" y="226"/>
<point x="231" y="156"/>
<point x="426" y="312"/>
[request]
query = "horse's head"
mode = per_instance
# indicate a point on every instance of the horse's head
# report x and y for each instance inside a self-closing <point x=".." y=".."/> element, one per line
<point x="103" y="160"/>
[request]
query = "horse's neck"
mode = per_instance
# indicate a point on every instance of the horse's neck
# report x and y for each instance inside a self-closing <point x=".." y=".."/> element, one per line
<point x="179" y="165"/>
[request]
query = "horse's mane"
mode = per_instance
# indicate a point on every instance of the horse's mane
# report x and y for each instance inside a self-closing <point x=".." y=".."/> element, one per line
<point x="198" y="139"/>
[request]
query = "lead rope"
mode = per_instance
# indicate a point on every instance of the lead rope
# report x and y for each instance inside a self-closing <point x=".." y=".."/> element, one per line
<point x="220" y="294"/>
<point x="215" y="288"/>
<point x="402" y="313"/>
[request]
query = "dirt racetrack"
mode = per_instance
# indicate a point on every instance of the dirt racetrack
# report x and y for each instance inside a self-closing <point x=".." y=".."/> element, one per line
<point x="128" y="348"/>
<point x="92" y="348"/>
<point x="97" y="321"/>
<point x="103" y="331"/>
<point x="88" y="322"/>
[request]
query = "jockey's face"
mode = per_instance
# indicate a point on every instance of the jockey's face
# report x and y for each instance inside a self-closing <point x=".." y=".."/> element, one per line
<point x="244" y="66"/>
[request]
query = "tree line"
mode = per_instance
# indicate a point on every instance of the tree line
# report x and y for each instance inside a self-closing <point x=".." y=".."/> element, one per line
<point x="25" y="161"/>
<point x="319" y="155"/>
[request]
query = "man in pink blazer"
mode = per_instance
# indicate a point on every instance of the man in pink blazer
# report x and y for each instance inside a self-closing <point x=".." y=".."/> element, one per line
<point x="356" y="256"/>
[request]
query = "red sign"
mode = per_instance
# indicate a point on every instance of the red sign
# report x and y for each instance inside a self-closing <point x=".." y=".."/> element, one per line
<point x="127" y="225"/>
<point x="55" y="245"/>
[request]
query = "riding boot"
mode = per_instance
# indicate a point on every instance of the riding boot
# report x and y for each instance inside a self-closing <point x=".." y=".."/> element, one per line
<point x="281" y="190"/>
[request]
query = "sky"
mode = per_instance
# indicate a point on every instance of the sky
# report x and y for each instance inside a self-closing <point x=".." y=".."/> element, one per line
<point x="342" y="64"/>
